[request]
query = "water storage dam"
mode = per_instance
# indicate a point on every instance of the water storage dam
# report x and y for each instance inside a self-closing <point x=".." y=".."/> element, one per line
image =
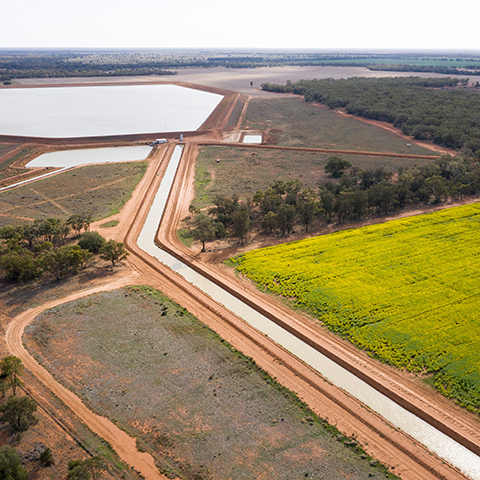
<point x="436" y="441"/>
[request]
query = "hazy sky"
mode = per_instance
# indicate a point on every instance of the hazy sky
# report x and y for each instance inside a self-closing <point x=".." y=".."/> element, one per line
<point x="405" y="24"/>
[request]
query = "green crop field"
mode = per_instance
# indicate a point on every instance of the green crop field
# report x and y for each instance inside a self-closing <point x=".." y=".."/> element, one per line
<point x="407" y="291"/>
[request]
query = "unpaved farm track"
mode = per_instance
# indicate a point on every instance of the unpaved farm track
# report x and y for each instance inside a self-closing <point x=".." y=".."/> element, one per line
<point x="319" y="150"/>
<point x="383" y="441"/>
<point x="123" y="444"/>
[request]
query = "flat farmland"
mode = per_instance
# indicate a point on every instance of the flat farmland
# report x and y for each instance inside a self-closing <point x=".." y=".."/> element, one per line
<point x="101" y="189"/>
<point x="227" y="170"/>
<point x="407" y="291"/>
<point x="296" y="123"/>
<point x="201" y="408"/>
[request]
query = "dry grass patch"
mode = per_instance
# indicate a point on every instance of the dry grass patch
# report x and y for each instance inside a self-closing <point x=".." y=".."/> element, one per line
<point x="201" y="408"/>
<point x="301" y="124"/>
<point x="227" y="170"/>
<point x="101" y="189"/>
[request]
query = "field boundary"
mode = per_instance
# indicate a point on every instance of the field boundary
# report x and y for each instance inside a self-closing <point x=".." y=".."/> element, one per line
<point x="316" y="150"/>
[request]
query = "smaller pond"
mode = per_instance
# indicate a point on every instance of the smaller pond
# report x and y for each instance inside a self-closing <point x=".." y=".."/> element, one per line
<point x="75" y="158"/>
<point x="66" y="159"/>
<point x="252" y="139"/>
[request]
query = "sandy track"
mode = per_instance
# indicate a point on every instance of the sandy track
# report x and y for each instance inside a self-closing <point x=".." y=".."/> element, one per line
<point x="381" y="439"/>
<point x="123" y="444"/>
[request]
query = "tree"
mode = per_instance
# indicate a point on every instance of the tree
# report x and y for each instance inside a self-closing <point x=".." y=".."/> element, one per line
<point x="435" y="189"/>
<point x="224" y="207"/>
<point x="343" y="206"/>
<point x="336" y="165"/>
<point x="9" y="231"/>
<point x="18" y="413"/>
<point x="95" y="466"/>
<point x="204" y="229"/>
<point x="382" y="196"/>
<point x="113" y="251"/>
<point x="63" y="260"/>
<point x="19" y="266"/>
<point x="80" y="222"/>
<point x="270" y="202"/>
<point x="241" y="222"/>
<point x="257" y="198"/>
<point x="307" y="208"/>
<point x="46" y="457"/>
<point x="52" y="229"/>
<point x="286" y="218"/>
<point x="92" y="468"/>
<point x="328" y="203"/>
<point x="11" y="368"/>
<point x="10" y="464"/>
<point x="76" y="471"/>
<point x="269" y="222"/>
<point x="76" y="222"/>
<point x="91" y="241"/>
<point x="359" y="200"/>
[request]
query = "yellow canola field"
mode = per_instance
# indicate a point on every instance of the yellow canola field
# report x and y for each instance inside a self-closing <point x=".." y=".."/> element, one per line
<point x="407" y="291"/>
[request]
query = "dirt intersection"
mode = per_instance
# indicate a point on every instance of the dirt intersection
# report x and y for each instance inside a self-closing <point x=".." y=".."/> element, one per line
<point x="380" y="439"/>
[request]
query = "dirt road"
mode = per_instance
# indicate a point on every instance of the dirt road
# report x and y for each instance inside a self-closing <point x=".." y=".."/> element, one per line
<point x="380" y="439"/>
<point x="123" y="444"/>
<point x="394" y="448"/>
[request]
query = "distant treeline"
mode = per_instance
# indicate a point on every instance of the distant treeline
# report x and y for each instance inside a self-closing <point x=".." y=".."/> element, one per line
<point x="10" y="70"/>
<point x="426" y="68"/>
<point x="69" y="63"/>
<point x="425" y="108"/>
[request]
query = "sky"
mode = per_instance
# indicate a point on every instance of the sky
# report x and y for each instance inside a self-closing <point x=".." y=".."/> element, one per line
<point x="282" y="24"/>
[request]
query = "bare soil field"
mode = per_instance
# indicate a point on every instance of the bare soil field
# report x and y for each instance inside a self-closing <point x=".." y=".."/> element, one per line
<point x="200" y="407"/>
<point x="102" y="189"/>
<point x="236" y="79"/>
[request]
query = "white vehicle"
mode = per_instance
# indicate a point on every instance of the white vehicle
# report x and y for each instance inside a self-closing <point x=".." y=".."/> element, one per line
<point x="159" y="141"/>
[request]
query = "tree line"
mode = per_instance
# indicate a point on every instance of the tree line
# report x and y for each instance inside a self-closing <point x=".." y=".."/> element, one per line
<point x="425" y="108"/>
<point x="51" y="63"/>
<point x="351" y="194"/>
<point x="427" y="69"/>
<point x="40" y="248"/>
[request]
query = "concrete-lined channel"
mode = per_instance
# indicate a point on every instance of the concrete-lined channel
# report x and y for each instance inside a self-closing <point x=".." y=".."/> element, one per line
<point x="433" y="439"/>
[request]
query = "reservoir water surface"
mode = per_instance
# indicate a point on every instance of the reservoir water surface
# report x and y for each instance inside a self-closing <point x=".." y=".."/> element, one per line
<point x="62" y="112"/>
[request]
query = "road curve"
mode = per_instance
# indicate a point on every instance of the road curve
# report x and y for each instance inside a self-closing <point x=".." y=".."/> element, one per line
<point x="383" y="441"/>
<point x="123" y="444"/>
